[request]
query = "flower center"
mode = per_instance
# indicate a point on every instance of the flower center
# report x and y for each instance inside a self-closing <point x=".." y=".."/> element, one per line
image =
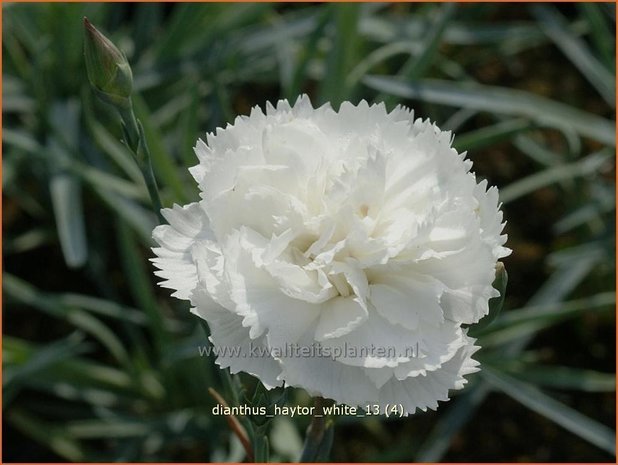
<point x="363" y="210"/>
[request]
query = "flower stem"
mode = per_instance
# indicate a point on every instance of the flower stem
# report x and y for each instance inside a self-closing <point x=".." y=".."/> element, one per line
<point x="136" y="142"/>
<point x="319" y="439"/>
<point x="260" y="445"/>
<point x="130" y="124"/>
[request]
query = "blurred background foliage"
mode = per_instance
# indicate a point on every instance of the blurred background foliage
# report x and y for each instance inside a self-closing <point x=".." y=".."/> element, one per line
<point x="101" y="365"/>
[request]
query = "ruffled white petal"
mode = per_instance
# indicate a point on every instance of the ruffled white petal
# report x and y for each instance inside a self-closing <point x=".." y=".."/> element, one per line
<point x="423" y="392"/>
<point x="258" y="298"/>
<point x="322" y="375"/>
<point x="234" y="348"/>
<point x="187" y="225"/>
<point x="339" y="316"/>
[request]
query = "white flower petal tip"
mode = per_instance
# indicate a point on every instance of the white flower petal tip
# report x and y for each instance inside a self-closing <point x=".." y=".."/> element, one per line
<point x="337" y="251"/>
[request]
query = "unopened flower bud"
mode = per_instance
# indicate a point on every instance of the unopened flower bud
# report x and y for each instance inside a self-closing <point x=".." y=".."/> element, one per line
<point x="108" y="70"/>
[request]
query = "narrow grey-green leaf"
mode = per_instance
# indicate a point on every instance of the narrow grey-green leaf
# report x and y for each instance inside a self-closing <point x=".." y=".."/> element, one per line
<point x="563" y="377"/>
<point x="489" y="135"/>
<point x="345" y="47"/>
<point x="563" y="415"/>
<point x="48" y="355"/>
<point x="499" y="100"/>
<point x="526" y="323"/>
<point x="66" y="199"/>
<point x="586" y="166"/>
<point x="557" y="28"/>
<point x="602" y="37"/>
<point x="53" y="437"/>
<point x="450" y="423"/>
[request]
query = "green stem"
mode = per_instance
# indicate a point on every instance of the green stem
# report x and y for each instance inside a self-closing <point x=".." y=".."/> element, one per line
<point x="153" y="190"/>
<point x="130" y="124"/>
<point x="136" y="142"/>
<point x="260" y="444"/>
<point x="319" y="435"/>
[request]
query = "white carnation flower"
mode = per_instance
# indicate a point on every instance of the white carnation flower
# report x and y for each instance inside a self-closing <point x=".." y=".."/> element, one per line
<point x="340" y="252"/>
